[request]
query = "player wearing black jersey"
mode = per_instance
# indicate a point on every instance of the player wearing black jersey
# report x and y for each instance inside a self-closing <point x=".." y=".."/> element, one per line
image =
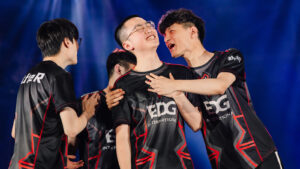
<point x="234" y="135"/>
<point x="149" y="130"/>
<point x="46" y="102"/>
<point x="96" y="143"/>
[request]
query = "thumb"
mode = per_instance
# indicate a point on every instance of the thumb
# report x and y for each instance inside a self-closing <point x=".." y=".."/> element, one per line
<point x="171" y="76"/>
<point x="110" y="88"/>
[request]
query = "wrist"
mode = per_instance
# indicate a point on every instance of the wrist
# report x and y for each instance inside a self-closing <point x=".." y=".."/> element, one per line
<point x="85" y="116"/>
<point x="178" y="95"/>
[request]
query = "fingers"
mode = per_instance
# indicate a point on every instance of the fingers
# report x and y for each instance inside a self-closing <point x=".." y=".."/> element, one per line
<point x="85" y="97"/>
<point x="114" y="94"/>
<point x="154" y="76"/>
<point x="113" y="98"/>
<point x="71" y="156"/>
<point x="150" y="78"/>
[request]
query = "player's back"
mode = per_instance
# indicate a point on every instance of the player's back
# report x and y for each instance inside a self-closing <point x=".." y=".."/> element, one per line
<point x="38" y="126"/>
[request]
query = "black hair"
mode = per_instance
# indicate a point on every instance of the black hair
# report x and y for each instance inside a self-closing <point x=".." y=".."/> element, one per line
<point x="123" y="58"/>
<point x="120" y="27"/>
<point x="181" y="16"/>
<point x="52" y="33"/>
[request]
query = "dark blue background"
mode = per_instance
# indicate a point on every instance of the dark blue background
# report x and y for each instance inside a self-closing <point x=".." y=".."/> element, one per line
<point x="266" y="31"/>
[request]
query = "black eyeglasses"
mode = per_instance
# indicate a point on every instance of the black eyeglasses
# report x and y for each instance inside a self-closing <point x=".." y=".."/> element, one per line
<point x="141" y="28"/>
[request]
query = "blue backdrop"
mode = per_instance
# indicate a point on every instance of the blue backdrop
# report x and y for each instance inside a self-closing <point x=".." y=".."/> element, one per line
<point x="267" y="32"/>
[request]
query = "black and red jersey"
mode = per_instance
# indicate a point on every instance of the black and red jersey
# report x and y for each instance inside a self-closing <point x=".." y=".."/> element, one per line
<point x="96" y="143"/>
<point x="156" y="127"/>
<point x="44" y="92"/>
<point x="234" y="135"/>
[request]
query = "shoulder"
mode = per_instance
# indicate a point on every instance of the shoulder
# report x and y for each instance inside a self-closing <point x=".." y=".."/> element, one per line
<point x="232" y="52"/>
<point x="123" y="80"/>
<point x="230" y="55"/>
<point x="177" y="67"/>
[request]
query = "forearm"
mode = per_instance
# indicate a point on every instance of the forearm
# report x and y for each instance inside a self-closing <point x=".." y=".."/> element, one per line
<point x="190" y="113"/>
<point x="13" y="130"/>
<point x="123" y="146"/>
<point x="79" y="125"/>
<point x="201" y="86"/>
<point x="72" y="146"/>
<point x="72" y="124"/>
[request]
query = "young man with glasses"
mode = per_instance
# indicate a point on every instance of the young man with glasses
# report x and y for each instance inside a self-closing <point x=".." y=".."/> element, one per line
<point x="149" y="129"/>
<point x="234" y="135"/>
<point x="46" y="104"/>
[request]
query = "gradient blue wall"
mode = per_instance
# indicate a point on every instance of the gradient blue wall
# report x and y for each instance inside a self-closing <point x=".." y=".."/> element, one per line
<point x="267" y="32"/>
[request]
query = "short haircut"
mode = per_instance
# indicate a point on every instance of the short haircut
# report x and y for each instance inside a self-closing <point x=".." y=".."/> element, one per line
<point x="182" y="16"/>
<point x="119" y="30"/>
<point x="52" y="33"/>
<point x="123" y="58"/>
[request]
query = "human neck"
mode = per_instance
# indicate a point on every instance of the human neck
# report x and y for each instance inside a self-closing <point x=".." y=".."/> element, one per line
<point x="111" y="83"/>
<point x="58" y="59"/>
<point x="147" y="61"/>
<point x="197" y="56"/>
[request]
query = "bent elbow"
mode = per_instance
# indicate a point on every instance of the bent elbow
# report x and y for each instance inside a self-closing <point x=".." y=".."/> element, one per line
<point x="13" y="135"/>
<point x="196" y="127"/>
<point x="221" y="90"/>
<point x="70" y="132"/>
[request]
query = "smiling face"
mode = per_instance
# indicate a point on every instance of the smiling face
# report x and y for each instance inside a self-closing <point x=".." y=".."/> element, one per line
<point x="178" y="39"/>
<point x="141" y="35"/>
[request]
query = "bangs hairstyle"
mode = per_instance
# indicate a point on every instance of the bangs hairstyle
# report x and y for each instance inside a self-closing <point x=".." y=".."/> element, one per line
<point x="123" y="58"/>
<point x="182" y="16"/>
<point x="52" y="33"/>
<point x="119" y="30"/>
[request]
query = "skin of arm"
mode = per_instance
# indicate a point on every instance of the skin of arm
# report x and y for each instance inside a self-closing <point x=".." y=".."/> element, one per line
<point x="212" y="86"/>
<point x="191" y="114"/>
<point x="123" y="146"/>
<point x="13" y="134"/>
<point x="73" y="124"/>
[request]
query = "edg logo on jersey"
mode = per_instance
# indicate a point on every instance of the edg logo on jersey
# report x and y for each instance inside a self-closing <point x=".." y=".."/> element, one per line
<point x="33" y="78"/>
<point x="110" y="136"/>
<point x="220" y="105"/>
<point x="160" y="109"/>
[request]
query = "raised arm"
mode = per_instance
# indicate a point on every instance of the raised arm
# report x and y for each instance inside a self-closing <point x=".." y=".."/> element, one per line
<point x="73" y="124"/>
<point x="213" y="86"/>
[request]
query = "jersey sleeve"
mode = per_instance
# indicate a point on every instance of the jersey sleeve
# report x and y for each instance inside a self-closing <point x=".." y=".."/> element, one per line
<point x="63" y="93"/>
<point x="232" y="61"/>
<point x="121" y="114"/>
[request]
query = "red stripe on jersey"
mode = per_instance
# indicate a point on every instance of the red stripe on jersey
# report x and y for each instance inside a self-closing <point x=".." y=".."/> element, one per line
<point x="239" y="146"/>
<point x="37" y="149"/>
<point x="180" y="152"/>
<point x="215" y="153"/>
<point x="246" y="124"/>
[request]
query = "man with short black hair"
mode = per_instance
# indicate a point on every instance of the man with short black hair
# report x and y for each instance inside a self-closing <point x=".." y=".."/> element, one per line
<point x="97" y="147"/>
<point x="46" y="104"/>
<point x="234" y="135"/>
<point x="149" y="129"/>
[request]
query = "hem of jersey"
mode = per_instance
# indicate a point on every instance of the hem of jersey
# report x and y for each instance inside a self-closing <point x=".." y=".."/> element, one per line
<point x="266" y="156"/>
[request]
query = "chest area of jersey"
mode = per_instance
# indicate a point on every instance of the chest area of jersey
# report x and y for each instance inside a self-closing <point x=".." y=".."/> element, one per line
<point x="216" y="108"/>
<point x="153" y="109"/>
